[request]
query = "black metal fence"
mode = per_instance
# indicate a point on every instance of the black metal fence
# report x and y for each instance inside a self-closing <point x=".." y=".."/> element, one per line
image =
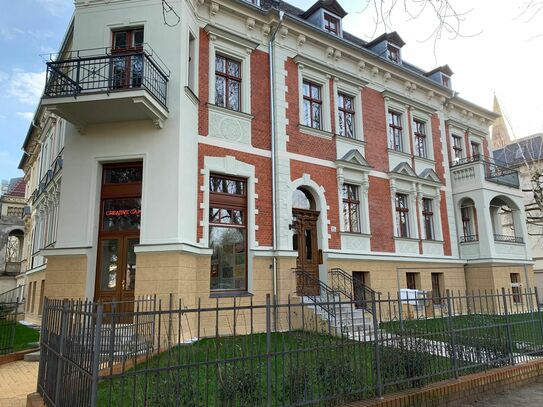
<point x="240" y="353"/>
<point x="84" y="73"/>
<point x="11" y="309"/>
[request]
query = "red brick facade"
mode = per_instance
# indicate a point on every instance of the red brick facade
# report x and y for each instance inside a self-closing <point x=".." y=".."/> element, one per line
<point x="374" y="120"/>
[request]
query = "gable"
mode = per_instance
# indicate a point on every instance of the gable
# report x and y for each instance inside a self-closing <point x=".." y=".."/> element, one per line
<point x="405" y="169"/>
<point x="430" y="175"/>
<point x="355" y="158"/>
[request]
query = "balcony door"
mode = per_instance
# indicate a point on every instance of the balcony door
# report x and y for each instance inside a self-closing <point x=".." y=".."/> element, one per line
<point x="120" y="214"/>
<point x="127" y="67"/>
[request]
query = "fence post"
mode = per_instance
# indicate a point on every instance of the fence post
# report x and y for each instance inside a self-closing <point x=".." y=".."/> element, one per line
<point x="268" y="353"/>
<point x="379" y="387"/>
<point x="508" y="327"/>
<point x="538" y="310"/>
<point x="400" y="315"/>
<point x="451" y="334"/>
<point x="96" y="354"/>
<point x="63" y="328"/>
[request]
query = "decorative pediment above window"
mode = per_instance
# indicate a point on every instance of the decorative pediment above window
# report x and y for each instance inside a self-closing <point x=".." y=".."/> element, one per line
<point x="405" y="169"/>
<point x="353" y="159"/>
<point x="430" y="175"/>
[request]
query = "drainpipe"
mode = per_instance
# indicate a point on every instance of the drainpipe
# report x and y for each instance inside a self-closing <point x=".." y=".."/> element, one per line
<point x="273" y="155"/>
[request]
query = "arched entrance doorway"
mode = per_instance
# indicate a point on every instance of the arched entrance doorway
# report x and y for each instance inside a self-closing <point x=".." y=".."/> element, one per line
<point x="305" y="242"/>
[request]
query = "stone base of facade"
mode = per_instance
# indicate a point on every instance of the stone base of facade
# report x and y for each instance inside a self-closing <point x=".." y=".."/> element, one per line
<point x="35" y="294"/>
<point x="495" y="276"/>
<point x="66" y="277"/>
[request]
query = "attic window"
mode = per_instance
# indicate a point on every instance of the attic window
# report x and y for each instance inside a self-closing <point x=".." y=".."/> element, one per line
<point x="446" y="80"/>
<point x="331" y="24"/>
<point x="393" y="53"/>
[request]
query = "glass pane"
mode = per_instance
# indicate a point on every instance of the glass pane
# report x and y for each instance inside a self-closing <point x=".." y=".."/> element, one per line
<point x="228" y="260"/>
<point x="340" y="100"/>
<point x="214" y="215"/>
<point x="226" y="186"/>
<point x="237" y="217"/>
<point x="341" y="123"/>
<point x="109" y="252"/>
<point x="300" y="200"/>
<point x="121" y="214"/>
<point x="120" y="40"/>
<point x="316" y="92"/>
<point x="306" y="119"/>
<point x="349" y="125"/>
<point x="308" y="245"/>
<point x="130" y="276"/>
<point x="234" y="69"/>
<point x="137" y="70"/>
<point x="123" y="175"/>
<point x="120" y="72"/>
<point x="220" y="64"/>
<point x="354" y="218"/>
<point x="220" y="91"/>
<point x="316" y="113"/>
<point x="233" y="95"/>
<point x="138" y="38"/>
<point x="306" y="89"/>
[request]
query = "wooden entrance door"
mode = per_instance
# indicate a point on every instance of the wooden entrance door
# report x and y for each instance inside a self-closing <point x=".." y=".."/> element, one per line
<point x="120" y="216"/>
<point x="306" y="243"/>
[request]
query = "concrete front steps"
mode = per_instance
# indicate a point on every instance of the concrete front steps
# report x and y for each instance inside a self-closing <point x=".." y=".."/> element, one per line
<point x="342" y="318"/>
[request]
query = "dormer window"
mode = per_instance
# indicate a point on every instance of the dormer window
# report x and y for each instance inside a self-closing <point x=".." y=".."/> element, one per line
<point x="331" y="24"/>
<point x="393" y="53"/>
<point x="446" y="81"/>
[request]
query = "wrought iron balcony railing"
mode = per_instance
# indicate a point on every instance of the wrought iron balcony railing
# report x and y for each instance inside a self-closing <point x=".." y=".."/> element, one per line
<point x="508" y="239"/>
<point x="469" y="238"/>
<point x="92" y="71"/>
<point x="494" y="172"/>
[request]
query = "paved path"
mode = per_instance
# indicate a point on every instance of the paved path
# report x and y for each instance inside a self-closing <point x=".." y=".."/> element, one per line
<point x="527" y="396"/>
<point x="17" y="379"/>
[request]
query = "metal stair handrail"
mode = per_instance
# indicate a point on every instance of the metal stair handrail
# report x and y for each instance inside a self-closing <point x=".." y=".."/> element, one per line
<point x="14" y="295"/>
<point x="344" y="283"/>
<point x="327" y="295"/>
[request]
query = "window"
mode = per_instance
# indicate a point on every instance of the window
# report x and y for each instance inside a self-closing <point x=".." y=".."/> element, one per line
<point x="127" y="69"/>
<point x="393" y="53"/>
<point x="475" y="150"/>
<point x="346" y="115"/>
<point x="428" y="216"/>
<point x="467" y="224"/>
<point x="402" y="215"/>
<point x="228" y="233"/>
<point x="312" y="105"/>
<point x="395" y="131"/>
<point x="436" y="288"/>
<point x="457" y="148"/>
<point x="420" y="138"/>
<point x="191" y="82"/>
<point x="331" y="24"/>
<point x="227" y="83"/>
<point x="515" y="288"/>
<point x="351" y="208"/>
<point x="446" y="81"/>
<point x="411" y="280"/>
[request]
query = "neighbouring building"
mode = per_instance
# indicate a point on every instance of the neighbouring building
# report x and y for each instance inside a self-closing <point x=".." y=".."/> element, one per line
<point x="12" y="203"/>
<point x="42" y="165"/>
<point x="210" y="149"/>
<point x="526" y="156"/>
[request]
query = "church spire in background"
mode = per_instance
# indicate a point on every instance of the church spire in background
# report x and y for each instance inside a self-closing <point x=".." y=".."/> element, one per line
<point x="500" y="134"/>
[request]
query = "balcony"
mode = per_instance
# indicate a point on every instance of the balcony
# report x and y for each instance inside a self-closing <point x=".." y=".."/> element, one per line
<point x="103" y="86"/>
<point x="477" y="171"/>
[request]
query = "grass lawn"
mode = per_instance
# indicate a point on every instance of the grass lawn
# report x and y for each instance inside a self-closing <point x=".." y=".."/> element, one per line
<point x="526" y="329"/>
<point x="233" y="371"/>
<point x="24" y="336"/>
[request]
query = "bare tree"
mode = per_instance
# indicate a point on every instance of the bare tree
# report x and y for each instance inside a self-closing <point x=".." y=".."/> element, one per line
<point x="444" y="18"/>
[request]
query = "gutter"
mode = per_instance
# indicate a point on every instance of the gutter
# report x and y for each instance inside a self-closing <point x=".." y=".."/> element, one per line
<point x="273" y="115"/>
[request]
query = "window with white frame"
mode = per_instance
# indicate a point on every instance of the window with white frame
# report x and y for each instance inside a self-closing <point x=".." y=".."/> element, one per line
<point x="331" y="24"/>
<point x="227" y="82"/>
<point x="395" y="129"/>
<point x="402" y="215"/>
<point x="351" y="208"/>
<point x="428" y="218"/>
<point x="458" y="151"/>
<point x="475" y="150"/>
<point x="191" y="68"/>
<point x="393" y="53"/>
<point x="346" y="115"/>
<point x="312" y="105"/>
<point x="421" y="142"/>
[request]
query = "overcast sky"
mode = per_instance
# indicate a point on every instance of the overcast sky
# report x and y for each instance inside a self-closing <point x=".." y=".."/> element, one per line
<point x="504" y="57"/>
